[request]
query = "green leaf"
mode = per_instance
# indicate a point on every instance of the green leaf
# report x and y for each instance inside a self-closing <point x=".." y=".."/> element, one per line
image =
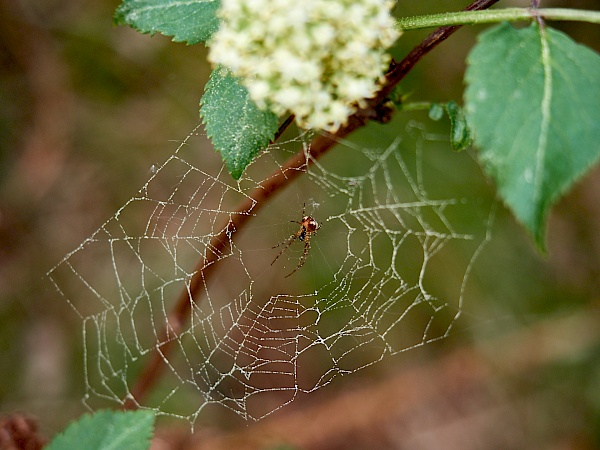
<point x="533" y="102"/>
<point x="238" y="129"/>
<point x="460" y="134"/>
<point x="190" y="21"/>
<point x="107" y="430"/>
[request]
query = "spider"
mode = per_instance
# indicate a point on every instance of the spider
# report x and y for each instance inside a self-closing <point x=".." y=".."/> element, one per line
<point x="308" y="227"/>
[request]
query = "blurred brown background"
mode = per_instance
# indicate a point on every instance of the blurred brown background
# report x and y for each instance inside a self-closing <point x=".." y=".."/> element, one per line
<point x="86" y="110"/>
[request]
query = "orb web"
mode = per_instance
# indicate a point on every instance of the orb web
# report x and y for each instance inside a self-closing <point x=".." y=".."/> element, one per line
<point x="387" y="272"/>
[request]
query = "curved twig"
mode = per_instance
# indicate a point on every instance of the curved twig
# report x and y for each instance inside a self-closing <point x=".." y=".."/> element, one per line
<point x="296" y="165"/>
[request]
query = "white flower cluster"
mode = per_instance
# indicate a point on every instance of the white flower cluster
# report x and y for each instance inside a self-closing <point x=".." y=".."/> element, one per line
<point x="316" y="59"/>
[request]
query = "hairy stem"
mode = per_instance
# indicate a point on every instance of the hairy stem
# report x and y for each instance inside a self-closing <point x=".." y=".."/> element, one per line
<point x="273" y="184"/>
<point x="497" y="15"/>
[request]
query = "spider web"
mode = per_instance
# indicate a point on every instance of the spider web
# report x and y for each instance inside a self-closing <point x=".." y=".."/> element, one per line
<point x="387" y="272"/>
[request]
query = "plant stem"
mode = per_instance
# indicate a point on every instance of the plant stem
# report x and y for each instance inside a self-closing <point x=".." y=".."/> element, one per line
<point x="293" y="168"/>
<point x="415" y="106"/>
<point x="497" y="15"/>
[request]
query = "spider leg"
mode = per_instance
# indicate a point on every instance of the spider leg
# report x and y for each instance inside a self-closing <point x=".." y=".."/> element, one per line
<point x="303" y="257"/>
<point x="287" y="243"/>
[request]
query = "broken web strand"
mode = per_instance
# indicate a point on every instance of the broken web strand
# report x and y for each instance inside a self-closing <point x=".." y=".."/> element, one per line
<point x="239" y="351"/>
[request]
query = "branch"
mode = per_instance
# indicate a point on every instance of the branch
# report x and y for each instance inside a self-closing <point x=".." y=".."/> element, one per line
<point x="274" y="183"/>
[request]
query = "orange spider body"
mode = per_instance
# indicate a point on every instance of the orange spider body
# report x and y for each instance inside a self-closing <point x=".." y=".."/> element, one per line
<point x="308" y="227"/>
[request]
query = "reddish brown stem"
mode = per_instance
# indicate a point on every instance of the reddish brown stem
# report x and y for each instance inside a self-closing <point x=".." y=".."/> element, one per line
<point x="296" y="165"/>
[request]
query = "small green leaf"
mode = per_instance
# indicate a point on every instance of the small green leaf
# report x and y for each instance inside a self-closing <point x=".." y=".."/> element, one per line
<point x="238" y="129"/>
<point x="533" y="102"/>
<point x="107" y="430"/>
<point x="190" y="21"/>
<point x="460" y="134"/>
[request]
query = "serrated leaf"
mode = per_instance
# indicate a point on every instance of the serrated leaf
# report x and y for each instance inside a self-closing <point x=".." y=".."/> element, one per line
<point x="107" y="430"/>
<point x="237" y="128"/>
<point x="533" y="103"/>
<point x="190" y="21"/>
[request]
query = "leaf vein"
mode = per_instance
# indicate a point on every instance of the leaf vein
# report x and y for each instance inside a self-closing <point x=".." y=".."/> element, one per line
<point x="546" y="117"/>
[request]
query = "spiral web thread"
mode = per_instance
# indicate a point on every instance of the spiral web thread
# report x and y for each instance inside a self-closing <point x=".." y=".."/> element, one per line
<point x="256" y="340"/>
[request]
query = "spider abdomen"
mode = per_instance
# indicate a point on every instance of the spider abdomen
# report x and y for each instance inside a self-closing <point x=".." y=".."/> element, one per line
<point x="309" y="224"/>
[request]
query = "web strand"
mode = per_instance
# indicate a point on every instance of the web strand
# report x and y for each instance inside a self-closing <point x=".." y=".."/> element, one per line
<point x="295" y="166"/>
<point x="128" y="322"/>
<point x="259" y="340"/>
